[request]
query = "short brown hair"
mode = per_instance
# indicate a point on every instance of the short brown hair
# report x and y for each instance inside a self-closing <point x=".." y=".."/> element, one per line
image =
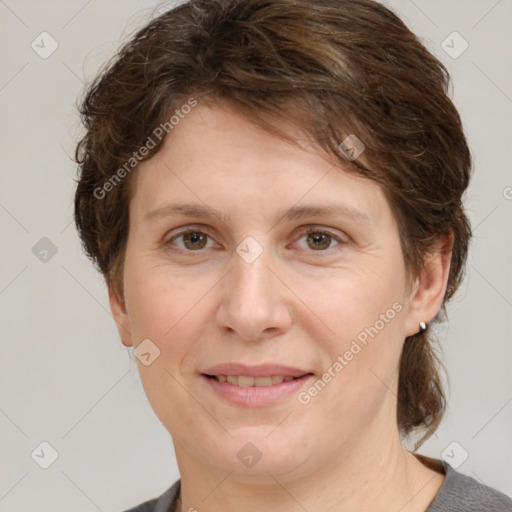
<point x="333" y="68"/>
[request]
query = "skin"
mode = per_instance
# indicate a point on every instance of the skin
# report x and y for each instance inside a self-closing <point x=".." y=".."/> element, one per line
<point x="296" y="305"/>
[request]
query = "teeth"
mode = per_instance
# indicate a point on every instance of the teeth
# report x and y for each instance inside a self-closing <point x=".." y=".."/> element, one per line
<point x="246" y="381"/>
<point x="263" y="381"/>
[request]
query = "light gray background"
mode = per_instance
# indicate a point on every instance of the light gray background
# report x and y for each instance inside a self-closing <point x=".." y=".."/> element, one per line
<point x="67" y="380"/>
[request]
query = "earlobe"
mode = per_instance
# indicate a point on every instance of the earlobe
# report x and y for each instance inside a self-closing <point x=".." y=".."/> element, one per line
<point x="121" y="318"/>
<point x="430" y="286"/>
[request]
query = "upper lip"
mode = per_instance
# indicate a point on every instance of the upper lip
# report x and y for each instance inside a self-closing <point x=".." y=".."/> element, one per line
<point x="261" y="370"/>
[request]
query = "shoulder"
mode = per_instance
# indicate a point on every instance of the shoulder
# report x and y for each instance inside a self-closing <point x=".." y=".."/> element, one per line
<point x="147" y="506"/>
<point x="463" y="493"/>
<point x="164" y="503"/>
<point x="459" y="493"/>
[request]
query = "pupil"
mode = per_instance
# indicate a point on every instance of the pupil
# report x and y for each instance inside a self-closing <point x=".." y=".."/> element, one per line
<point x="194" y="238"/>
<point x="318" y="239"/>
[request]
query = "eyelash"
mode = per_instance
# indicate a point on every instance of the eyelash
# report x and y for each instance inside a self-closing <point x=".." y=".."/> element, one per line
<point x="204" y="231"/>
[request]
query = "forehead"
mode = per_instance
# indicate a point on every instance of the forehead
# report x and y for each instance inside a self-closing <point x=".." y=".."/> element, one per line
<point x="214" y="156"/>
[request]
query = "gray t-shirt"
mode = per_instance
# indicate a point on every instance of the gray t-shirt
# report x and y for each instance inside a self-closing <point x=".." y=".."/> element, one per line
<point x="458" y="493"/>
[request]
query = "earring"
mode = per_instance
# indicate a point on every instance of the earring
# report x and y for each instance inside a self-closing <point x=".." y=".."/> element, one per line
<point x="423" y="327"/>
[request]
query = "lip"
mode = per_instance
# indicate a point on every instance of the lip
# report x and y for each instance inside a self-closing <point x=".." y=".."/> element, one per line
<point x="256" y="396"/>
<point x="262" y="370"/>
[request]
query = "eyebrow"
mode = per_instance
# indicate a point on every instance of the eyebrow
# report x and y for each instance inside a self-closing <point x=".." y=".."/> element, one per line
<point x="293" y="213"/>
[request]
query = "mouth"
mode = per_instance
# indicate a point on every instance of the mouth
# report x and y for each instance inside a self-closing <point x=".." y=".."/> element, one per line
<point x="255" y="386"/>
<point x="246" y="381"/>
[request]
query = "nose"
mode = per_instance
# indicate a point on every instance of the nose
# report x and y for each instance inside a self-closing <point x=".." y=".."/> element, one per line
<point x="255" y="305"/>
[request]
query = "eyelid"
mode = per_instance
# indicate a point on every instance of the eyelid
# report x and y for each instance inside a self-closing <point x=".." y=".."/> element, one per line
<point x="342" y="240"/>
<point x="185" y="229"/>
<point x="303" y="230"/>
<point x="189" y="228"/>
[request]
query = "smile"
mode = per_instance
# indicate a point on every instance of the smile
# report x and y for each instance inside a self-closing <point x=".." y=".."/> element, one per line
<point x="248" y="391"/>
<point x="248" y="381"/>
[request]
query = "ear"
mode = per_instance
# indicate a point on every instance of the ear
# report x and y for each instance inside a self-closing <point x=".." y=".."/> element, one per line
<point x="121" y="318"/>
<point x="430" y="286"/>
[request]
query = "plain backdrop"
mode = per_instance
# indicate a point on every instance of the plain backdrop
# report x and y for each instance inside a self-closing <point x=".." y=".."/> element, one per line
<point x="65" y="377"/>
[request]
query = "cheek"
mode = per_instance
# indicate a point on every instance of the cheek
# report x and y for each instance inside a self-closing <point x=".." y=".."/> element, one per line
<point x="364" y="311"/>
<point x="167" y="309"/>
<point x="158" y="305"/>
<point x="171" y="308"/>
<point x="349" y="301"/>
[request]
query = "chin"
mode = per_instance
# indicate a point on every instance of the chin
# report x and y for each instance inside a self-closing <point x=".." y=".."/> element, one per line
<point x="254" y="454"/>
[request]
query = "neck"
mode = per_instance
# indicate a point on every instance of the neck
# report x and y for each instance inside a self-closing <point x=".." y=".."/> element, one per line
<point x="369" y="477"/>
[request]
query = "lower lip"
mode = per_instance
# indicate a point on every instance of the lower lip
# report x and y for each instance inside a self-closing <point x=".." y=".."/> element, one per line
<point x="257" y="396"/>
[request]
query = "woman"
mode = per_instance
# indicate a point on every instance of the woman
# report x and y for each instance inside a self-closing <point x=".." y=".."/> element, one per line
<point x="273" y="193"/>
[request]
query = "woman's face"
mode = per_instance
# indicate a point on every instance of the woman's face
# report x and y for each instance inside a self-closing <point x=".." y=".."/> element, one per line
<point x="254" y="288"/>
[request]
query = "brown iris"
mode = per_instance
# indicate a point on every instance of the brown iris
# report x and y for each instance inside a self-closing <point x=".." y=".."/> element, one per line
<point x="196" y="240"/>
<point x="320" y="240"/>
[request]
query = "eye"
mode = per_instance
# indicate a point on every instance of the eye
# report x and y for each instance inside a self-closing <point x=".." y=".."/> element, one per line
<point x="195" y="239"/>
<point x="320" y="240"/>
<point x="192" y="240"/>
